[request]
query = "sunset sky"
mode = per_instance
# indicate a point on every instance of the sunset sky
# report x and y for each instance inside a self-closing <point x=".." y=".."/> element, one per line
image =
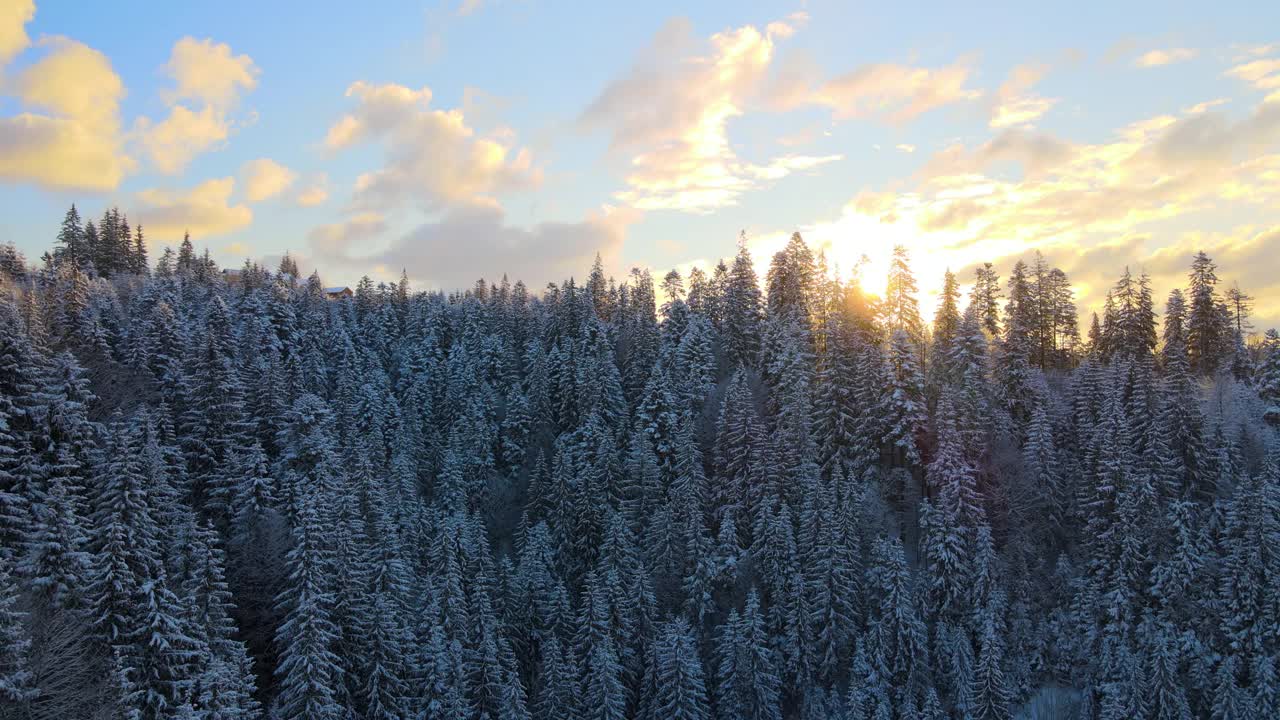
<point x="471" y="138"/>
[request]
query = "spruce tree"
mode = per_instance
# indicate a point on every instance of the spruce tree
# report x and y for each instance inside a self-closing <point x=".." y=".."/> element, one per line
<point x="679" y="690"/>
<point x="308" y="669"/>
<point x="17" y="687"/>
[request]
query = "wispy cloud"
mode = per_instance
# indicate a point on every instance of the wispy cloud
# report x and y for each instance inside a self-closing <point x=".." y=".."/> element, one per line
<point x="669" y="116"/>
<point x="1169" y="56"/>
<point x="1014" y="104"/>
<point x="1263" y="74"/>
<point x="1026" y="190"/>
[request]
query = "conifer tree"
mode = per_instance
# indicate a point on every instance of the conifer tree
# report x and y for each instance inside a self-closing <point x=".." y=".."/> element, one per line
<point x="680" y="693"/>
<point x="740" y="326"/>
<point x="17" y="686"/>
<point x="1206" y="337"/>
<point x="308" y="669"/>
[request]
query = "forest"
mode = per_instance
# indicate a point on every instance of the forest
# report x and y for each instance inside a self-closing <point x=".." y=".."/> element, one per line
<point x="230" y="494"/>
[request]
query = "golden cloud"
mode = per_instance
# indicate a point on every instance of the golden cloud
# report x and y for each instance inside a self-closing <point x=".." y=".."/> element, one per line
<point x="1090" y="207"/>
<point x="77" y="145"/>
<point x="14" y="16"/>
<point x="265" y="178"/>
<point x="175" y="141"/>
<point x="898" y="92"/>
<point x="432" y="156"/>
<point x="204" y="211"/>
<point x="1159" y="58"/>
<point x="669" y="115"/>
<point x="207" y="72"/>
<point x="1014" y="104"/>
<point x="207" y="76"/>
<point x="315" y="193"/>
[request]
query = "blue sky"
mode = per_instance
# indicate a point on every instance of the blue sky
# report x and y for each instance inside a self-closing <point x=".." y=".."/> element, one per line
<point x="466" y="138"/>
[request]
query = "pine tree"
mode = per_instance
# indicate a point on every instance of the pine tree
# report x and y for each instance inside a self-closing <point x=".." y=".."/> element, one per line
<point x="1167" y="696"/>
<point x="680" y="693"/>
<point x="72" y="241"/>
<point x="791" y="279"/>
<point x="56" y="561"/>
<point x="747" y="675"/>
<point x="897" y="634"/>
<point x="946" y="330"/>
<point x="991" y="694"/>
<point x="740" y="327"/>
<point x="603" y="696"/>
<point x="226" y="687"/>
<point x="1268" y="377"/>
<point x="1229" y="700"/>
<point x="905" y="403"/>
<point x="985" y="298"/>
<point x="161" y="657"/>
<point x="554" y="695"/>
<point x="308" y="669"/>
<point x="899" y="311"/>
<point x="17" y="686"/>
<point x="1206" y="340"/>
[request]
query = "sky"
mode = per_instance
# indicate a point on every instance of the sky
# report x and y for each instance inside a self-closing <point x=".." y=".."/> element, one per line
<point x="472" y="138"/>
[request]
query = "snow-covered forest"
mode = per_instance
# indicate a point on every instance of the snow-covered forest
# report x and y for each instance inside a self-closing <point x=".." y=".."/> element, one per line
<point x="233" y="494"/>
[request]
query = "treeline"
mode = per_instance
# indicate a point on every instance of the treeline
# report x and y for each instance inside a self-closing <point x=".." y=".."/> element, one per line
<point x="225" y="495"/>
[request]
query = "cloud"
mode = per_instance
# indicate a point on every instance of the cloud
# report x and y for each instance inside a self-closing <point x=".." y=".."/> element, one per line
<point x="207" y="83"/>
<point x="340" y="242"/>
<point x="75" y="143"/>
<point x="668" y="116"/>
<point x="1118" y="50"/>
<point x="906" y="148"/>
<point x="431" y="157"/>
<point x="1206" y="141"/>
<point x="1159" y="168"/>
<point x="14" y="16"/>
<point x="898" y="93"/>
<point x="1035" y="152"/>
<point x="1205" y="106"/>
<point x="205" y="210"/>
<point x="1093" y="207"/>
<point x="207" y="72"/>
<point x="432" y="253"/>
<point x="1014" y="104"/>
<point x="265" y="178"/>
<point x="315" y="193"/>
<point x="1159" y="58"/>
<point x="175" y="141"/>
<point x="1263" y="74"/>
